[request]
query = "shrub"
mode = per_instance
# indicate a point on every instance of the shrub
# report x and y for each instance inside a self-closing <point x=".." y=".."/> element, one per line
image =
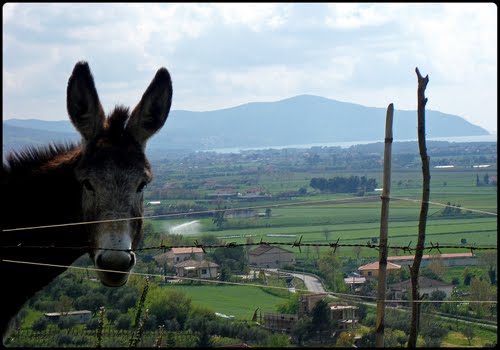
<point x="39" y="325"/>
<point x="123" y="322"/>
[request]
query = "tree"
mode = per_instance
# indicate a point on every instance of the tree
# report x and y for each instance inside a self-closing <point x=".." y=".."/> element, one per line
<point x="39" y="325"/>
<point x="433" y="332"/>
<point x="357" y="250"/>
<point x="489" y="260"/>
<point x="321" y="319"/>
<point x="481" y="290"/>
<point x="486" y="179"/>
<point x="277" y="341"/>
<point x="326" y="233"/>
<point x="345" y="340"/>
<point x="268" y="213"/>
<point x="291" y="306"/>
<point x="437" y="295"/>
<point x="302" y="330"/>
<point x="329" y="267"/>
<point x="467" y="277"/>
<point x="218" y="218"/>
<point x="436" y="269"/>
<point x="468" y="332"/>
<point x="123" y="322"/>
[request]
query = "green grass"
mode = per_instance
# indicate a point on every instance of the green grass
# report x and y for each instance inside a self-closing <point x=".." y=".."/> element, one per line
<point x="240" y="301"/>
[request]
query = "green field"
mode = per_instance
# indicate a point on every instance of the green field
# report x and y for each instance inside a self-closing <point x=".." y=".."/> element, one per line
<point x="358" y="221"/>
<point x="240" y="301"/>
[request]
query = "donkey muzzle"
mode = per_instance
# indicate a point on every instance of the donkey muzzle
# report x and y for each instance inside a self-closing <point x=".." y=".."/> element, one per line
<point x="114" y="267"/>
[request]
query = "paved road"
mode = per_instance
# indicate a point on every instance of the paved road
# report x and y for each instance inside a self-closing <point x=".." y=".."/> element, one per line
<point x="312" y="283"/>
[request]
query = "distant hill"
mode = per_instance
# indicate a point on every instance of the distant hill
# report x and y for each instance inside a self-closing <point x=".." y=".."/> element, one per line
<point x="302" y="119"/>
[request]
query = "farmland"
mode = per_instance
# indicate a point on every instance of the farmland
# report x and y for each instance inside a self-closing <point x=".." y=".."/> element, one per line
<point x="284" y="178"/>
<point x="282" y="207"/>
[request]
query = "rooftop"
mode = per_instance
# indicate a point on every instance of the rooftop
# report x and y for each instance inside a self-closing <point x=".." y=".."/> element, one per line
<point x="374" y="266"/>
<point x="196" y="264"/>
<point x="423" y="282"/>
<point x="263" y="248"/>
<point x="436" y="256"/>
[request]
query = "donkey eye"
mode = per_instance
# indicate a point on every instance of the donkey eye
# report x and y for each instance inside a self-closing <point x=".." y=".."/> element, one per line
<point x="87" y="185"/>
<point x="141" y="186"/>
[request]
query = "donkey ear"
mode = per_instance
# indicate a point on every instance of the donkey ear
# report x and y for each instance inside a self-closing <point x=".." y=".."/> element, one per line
<point x="152" y="111"/>
<point x="84" y="108"/>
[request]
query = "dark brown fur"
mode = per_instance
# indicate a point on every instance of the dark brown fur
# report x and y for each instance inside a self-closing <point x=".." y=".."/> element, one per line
<point x="43" y="186"/>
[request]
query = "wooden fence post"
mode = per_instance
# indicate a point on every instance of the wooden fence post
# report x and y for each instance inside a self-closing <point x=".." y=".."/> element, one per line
<point x="384" y="223"/>
<point x="414" y="269"/>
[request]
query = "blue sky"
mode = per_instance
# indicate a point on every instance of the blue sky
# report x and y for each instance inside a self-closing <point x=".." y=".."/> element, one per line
<point x="222" y="55"/>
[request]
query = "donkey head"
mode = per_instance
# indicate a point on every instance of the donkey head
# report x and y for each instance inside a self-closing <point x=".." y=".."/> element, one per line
<point x="113" y="168"/>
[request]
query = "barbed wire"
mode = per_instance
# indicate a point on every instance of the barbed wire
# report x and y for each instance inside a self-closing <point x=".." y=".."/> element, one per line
<point x="210" y="281"/>
<point x="297" y="243"/>
<point x="214" y="211"/>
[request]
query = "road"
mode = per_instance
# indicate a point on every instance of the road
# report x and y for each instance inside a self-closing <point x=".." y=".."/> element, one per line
<point x="312" y="283"/>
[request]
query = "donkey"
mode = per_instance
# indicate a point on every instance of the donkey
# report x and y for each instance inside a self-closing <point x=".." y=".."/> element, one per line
<point x="100" y="180"/>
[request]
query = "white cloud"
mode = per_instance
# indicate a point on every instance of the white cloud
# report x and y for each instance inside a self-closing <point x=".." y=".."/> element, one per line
<point x="257" y="16"/>
<point x="223" y="54"/>
<point x="355" y="15"/>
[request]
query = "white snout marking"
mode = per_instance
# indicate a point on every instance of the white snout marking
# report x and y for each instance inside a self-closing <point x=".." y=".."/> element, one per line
<point x="108" y="242"/>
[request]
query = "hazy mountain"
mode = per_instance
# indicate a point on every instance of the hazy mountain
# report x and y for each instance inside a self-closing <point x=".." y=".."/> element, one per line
<point x="301" y="119"/>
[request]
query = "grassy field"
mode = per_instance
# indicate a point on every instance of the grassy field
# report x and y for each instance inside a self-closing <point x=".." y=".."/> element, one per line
<point x="351" y="223"/>
<point x="240" y="301"/>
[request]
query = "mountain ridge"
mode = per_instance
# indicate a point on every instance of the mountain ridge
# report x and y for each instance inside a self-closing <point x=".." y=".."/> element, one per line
<point x="301" y="119"/>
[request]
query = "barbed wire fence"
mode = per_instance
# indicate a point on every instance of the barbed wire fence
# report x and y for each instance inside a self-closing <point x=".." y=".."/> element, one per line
<point x="298" y="244"/>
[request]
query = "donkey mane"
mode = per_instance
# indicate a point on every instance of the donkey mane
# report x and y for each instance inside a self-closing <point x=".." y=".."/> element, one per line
<point x="31" y="156"/>
<point x="117" y="121"/>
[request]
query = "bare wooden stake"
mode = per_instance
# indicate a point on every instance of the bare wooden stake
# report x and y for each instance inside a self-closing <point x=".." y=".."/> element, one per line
<point x="384" y="223"/>
<point x="414" y="269"/>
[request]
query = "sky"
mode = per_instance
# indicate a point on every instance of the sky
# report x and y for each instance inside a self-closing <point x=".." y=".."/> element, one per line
<point x="222" y="55"/>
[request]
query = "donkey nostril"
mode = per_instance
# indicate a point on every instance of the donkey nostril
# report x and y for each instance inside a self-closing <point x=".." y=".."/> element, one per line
<point x="98" y="260"/>
<point x="132" y="261"/>
<point x="117" y="261"/>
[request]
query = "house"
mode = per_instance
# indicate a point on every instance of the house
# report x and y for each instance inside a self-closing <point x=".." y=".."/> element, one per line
<point x="355" y="282"/>
<point x="451" y="259"/>
<point x="177" y="255"/>
<point x="402" y="290"/>
<point x="308" y="301"/>
<point x="279" y="322"/>
<point x="371" y="270"/>
<point x="345" y="315"/>
<point x="270" y="257"/>
<point x="81" y="316"/>
<point x="197" y="269"/>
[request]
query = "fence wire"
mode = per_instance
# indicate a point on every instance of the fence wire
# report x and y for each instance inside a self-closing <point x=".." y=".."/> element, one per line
<point x="296" y="244"/>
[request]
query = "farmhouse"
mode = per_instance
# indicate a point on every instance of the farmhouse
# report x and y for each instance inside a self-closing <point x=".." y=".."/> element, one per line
<point x="270" y="257"/>
<point x="371" y="270"/>
<point x="451" y="259"/>
<point x="197" y="269"/>
<point x="399" y="291"/>
<point x="177" y="255"/>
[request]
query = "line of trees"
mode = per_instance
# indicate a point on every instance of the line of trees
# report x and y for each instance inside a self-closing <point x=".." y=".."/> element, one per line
<point x="338" y="184"/>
